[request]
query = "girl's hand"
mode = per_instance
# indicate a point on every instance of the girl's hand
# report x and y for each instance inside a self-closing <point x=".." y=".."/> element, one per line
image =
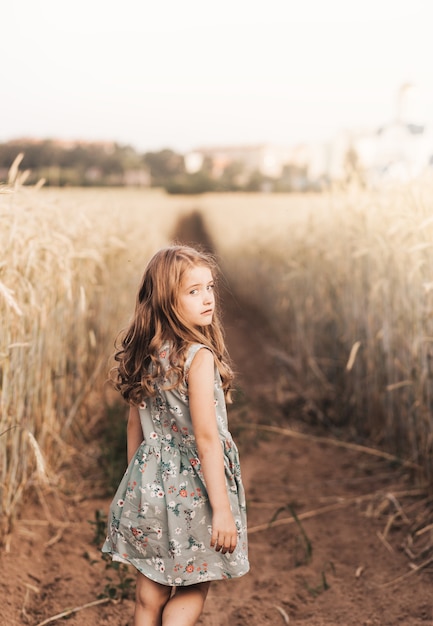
<point x="224" y="532"/>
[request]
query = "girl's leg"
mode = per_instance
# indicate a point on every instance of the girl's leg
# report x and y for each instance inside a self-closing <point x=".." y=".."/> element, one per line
<point x="185" y="607"/>
<point x="150" y="599"/>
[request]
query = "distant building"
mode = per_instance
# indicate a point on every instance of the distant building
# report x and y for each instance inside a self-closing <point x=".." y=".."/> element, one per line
<point x="401" y="149"/>
<point x="268" y="159"/>
<point x="396" y="151"/>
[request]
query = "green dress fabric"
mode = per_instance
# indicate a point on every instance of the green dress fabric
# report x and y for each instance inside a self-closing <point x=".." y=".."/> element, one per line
<point x="160" y="519"/>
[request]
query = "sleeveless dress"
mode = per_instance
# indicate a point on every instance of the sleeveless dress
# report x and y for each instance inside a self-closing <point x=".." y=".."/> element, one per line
<point x="160" y="519"/>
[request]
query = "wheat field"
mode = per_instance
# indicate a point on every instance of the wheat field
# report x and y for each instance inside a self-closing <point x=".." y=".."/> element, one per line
<point x="345" y="280"/>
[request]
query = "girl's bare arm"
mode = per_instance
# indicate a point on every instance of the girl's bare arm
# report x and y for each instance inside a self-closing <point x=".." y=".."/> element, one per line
<point x="134" y="432"/>
<point x="201" y="403"/>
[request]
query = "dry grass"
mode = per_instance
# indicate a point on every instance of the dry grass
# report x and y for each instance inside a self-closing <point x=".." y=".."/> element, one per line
<point x="347" y="286"/>
<point x="70" y="267"/>
<point x="345" y="281"/>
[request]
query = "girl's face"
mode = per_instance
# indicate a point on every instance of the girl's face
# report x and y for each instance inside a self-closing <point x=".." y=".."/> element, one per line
<point x="196" y="300"/>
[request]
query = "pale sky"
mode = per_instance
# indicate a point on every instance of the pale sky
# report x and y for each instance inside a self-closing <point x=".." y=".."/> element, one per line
<point x="187" y="73"/>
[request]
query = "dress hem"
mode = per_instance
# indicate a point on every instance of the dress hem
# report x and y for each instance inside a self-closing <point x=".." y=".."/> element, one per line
<point x="185" y="583"/>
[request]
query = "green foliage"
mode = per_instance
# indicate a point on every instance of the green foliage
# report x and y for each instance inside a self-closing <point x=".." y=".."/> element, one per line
<point x="255" y="181"/>
<point x="120" y="582"/>
<point x="293" y="178"/>
<point x="77" y="164"/>
<point x="323" y="585"/>
<point x="233" y="177"/>
<point x="63" y="164"/>
<point x="100" y="527"/>
<point x="199" y="182"/>
<point x="302" y="541"/>
<point x="164" y="166"/>
<point x="113" y="444"/>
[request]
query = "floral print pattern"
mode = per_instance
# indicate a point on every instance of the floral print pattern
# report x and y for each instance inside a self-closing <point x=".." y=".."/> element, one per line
<point x="160" y="519"/>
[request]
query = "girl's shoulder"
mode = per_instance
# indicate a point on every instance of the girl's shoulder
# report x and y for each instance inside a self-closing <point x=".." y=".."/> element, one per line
<point x="190" y="353"/>
<point x="164" y="357"/>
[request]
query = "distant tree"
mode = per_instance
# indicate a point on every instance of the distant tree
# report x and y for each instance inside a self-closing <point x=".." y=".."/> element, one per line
<point x="199" y="182"/>
<point x="233" y="177"/>
<point x="293" y="178"/>
<point x="63" y="164"/>
<point x="255" y="181"/>
<point x="164" y="166"/>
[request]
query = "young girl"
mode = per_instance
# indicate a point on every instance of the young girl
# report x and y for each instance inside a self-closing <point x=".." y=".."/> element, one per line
<point x="179" y="513"/>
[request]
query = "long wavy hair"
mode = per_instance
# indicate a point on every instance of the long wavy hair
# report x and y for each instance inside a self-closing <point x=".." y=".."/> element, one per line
<point x="156" y="322"/>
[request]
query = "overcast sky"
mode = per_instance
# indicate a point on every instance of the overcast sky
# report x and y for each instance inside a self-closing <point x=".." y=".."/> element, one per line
<point x="185" y="73"/>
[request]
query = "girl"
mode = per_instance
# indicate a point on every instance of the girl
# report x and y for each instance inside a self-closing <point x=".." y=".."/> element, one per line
<point x="179" y="513"/>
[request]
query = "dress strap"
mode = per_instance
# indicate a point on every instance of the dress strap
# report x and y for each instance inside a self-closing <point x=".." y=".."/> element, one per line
<point x="192" y="351"/>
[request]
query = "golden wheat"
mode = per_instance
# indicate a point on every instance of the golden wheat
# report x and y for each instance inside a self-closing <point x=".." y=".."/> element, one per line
<point x="68" y="276"/>
<point x="345" y="280"/>
<point x="350" y="282"/>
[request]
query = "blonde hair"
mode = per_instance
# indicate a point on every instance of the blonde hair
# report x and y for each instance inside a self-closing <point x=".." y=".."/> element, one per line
<point x="156" y="322"/>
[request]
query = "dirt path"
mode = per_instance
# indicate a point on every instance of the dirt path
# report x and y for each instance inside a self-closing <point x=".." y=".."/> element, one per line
<point x="330" y="563"/>
<point x="336" y="566"/>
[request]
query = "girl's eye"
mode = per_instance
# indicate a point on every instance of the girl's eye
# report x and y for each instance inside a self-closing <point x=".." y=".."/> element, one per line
<point x="211" y="287"/>
<point x="193" y="291"/>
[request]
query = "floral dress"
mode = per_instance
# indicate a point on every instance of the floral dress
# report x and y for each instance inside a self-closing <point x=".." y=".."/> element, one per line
<point x="160" y="519"/>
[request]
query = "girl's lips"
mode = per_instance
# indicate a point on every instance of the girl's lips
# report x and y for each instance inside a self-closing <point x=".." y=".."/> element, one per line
<point x="208" y="312"/>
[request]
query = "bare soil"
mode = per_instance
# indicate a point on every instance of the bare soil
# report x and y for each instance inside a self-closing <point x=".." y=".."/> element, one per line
<point x="339" y="556"/>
